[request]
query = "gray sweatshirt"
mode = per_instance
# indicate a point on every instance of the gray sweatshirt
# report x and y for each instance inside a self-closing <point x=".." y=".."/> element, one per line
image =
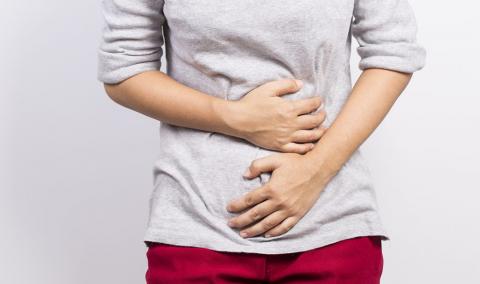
<point x="227" y="48"/>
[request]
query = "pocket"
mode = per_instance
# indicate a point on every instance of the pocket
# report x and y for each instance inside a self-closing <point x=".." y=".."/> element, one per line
<point x="376" y="241"/>
<point x="377" y="252"/>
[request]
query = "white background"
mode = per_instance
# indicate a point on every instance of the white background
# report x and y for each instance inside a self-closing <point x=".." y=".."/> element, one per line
<point x="76" y="169"/>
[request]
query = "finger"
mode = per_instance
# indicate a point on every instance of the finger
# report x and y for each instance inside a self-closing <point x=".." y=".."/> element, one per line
<point x="253" y="214"/>
<point x="304" y="136"/>
<point x="285" y="226"/>
<point x="248" y="200"/>
<point x="265" y="164"/>
<point x="309" y="105"/>
<point x="268" y="223"/>
<point x="281" y="87"/>
<point x="309" y="121"/>
<point x="299" y="148"/>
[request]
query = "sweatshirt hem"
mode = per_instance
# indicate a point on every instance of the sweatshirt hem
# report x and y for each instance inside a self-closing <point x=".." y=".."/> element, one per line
<point x="179" y="239"/>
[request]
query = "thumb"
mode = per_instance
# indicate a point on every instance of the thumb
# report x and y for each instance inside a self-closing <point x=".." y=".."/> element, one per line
<point x="280" y="87"/>
<point x="261" y="165"/>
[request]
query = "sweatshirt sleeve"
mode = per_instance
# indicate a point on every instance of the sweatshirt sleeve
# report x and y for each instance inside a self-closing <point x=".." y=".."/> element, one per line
<point x="386" y="33"/>
<point x="131" y="40"/>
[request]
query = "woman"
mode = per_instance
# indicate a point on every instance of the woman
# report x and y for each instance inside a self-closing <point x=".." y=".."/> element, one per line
<point x="260" y="176"/>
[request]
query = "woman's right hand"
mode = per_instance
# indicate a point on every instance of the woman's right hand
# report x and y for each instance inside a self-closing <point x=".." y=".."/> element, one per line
<point x="265" y="119"/>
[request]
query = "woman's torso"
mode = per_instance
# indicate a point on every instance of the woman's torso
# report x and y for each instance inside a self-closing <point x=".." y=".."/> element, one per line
<point x="226" y="49"/>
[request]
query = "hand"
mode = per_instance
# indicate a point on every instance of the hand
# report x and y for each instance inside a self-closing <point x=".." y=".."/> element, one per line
<point x="293" y="188"/>
<point x="264" y="119"/>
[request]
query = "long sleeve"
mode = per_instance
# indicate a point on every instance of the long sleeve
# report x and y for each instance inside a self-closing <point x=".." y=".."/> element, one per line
<point x="131" y="40"/>
<point x="386" y="33"/>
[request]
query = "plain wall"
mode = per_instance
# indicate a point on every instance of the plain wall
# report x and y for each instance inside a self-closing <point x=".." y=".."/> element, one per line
<point x="76" y="168"/>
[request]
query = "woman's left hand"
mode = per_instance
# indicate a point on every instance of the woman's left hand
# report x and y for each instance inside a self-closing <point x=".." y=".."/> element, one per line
<point x="294" y="186"/>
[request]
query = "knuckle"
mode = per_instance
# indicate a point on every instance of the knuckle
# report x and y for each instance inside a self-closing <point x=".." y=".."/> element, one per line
<point x="287" y="205"/>
<point x="276" y="205"/>
<point x="269" y="190"/>
<point x="283" y="230"/>
<point x="291" y="147"/>
<point x="308" y="147"/>
<point x="286" y="110"/>
<point x="292" y="84"/>
<point x="294" y="210"/>
<point x="279" y="146"/>
<point x="321" y="115"/>
<point x="287" y="228"/>
<point x="286" y="208"/>
<point x="284" y="148"/>
<point x="284" y="133"/>
<point x="303" y="150"/>
<point x="254" y="165"/>
<point x="232" y="207"/>
<point x="264" y="194"/>
<point x="316" y="122"/>
<point x="279" y="203"/>
<point x="279" y="140"/>
<point x="248" y="200"/>
<point x="313" y="123"/>
<point x="255" y="215"/>
<point x="267" y="224"/>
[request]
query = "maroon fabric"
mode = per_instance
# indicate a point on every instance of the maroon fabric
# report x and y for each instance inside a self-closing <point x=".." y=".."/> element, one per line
<point x="353" y="261"/>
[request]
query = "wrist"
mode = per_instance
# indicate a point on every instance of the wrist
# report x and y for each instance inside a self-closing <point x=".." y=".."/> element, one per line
<point x="322" y="168"/>
<point x="229" y="116"/>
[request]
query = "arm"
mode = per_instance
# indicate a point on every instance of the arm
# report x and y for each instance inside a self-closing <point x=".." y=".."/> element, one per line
<point x="158" y="96"/>
<point x="129" y="63"/>
<point x="385" y="31"/>
<point x="297" y="180"/>
<point x="371" y="98"/>
<point x="260" y="117"/>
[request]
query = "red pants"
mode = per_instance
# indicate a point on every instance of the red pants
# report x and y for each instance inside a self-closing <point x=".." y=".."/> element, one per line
<point x="354" y="261"/>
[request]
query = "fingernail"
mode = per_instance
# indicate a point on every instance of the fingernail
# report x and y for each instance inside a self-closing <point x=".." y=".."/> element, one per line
<point x="299" y="83"/>
<point x="268" y="236"/>
<point x="246" y="173"/>
<point x="243" y="234"/>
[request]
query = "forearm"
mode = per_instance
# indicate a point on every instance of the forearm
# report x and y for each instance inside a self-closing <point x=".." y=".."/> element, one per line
<point x="155" y="94"/>
<point x="371" y="98"/>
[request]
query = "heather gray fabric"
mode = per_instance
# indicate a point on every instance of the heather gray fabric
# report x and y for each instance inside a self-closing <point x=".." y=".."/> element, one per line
<point x="227" y="48"/>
